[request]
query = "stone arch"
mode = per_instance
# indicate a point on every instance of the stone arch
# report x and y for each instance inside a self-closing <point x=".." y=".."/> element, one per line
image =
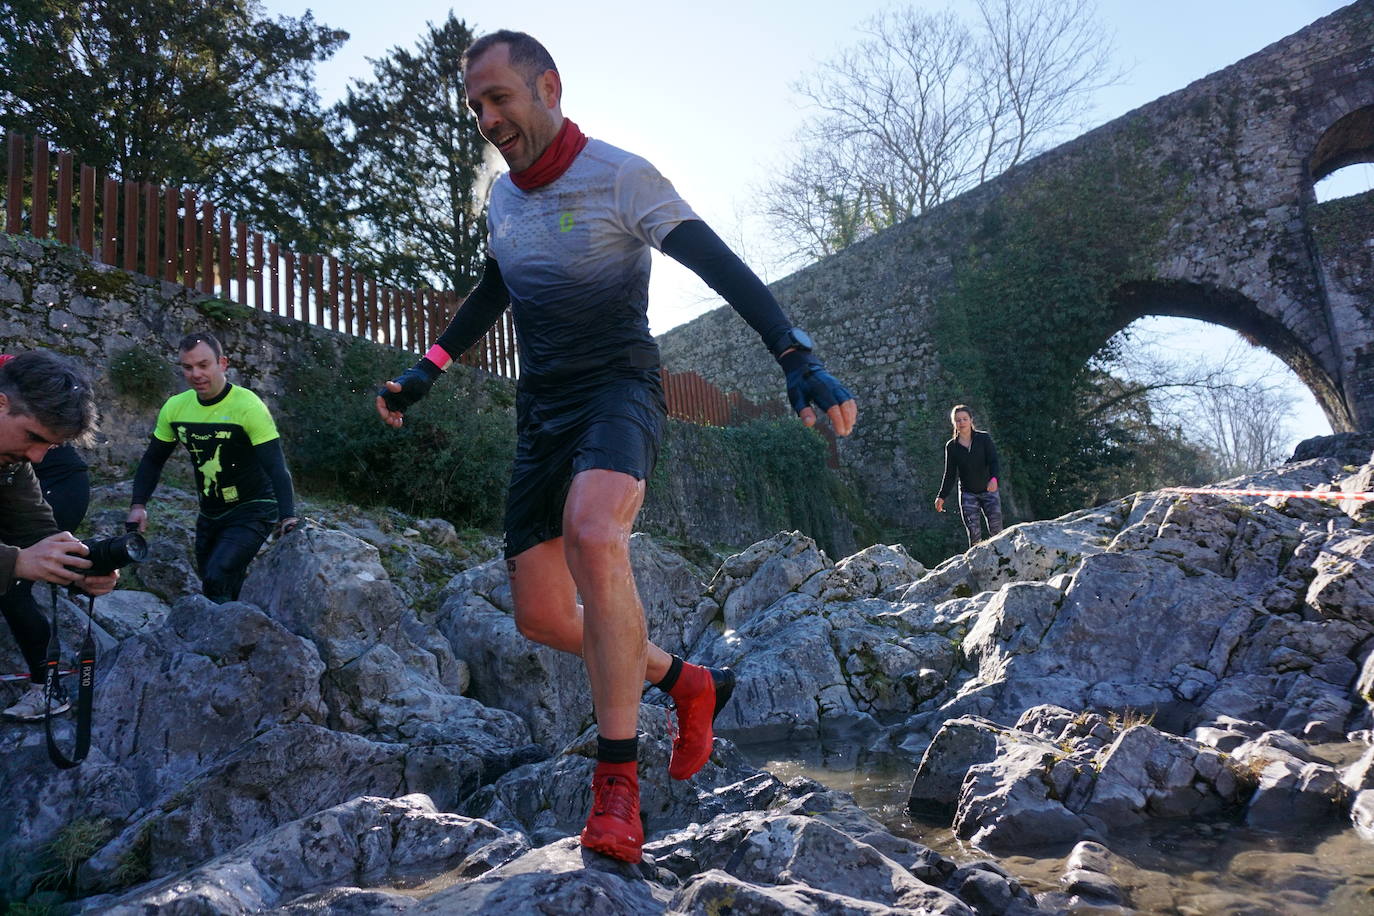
<point x="1231" y="309"/>
<point x="1348" y="141"/>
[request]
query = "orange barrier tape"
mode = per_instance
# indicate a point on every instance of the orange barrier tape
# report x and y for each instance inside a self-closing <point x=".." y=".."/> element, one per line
<point x="1365" y="496"/>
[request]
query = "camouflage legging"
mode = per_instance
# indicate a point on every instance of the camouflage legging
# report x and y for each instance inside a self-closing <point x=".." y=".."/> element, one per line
<point x="989" y="505"/>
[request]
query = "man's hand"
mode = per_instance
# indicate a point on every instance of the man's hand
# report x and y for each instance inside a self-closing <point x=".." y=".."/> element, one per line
<point x="138" y="516"/>
<point x="47" y="561"/>
<point x="98" y="585"/>
<point x="808" y="383"/>
<point x="992" y="485"/>
<point x="397" y="395"/>
<point x="285" y="526"/>
<point x="939" y="504"/>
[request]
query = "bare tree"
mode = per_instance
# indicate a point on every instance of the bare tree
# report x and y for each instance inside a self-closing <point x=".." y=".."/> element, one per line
<point x="1242" y="418"/>
<point x="1245" y="427"/>
<point x="925" y="107"/>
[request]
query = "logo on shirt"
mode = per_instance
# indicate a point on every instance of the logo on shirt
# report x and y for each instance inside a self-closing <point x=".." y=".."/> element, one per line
<point x="565" y="221"/>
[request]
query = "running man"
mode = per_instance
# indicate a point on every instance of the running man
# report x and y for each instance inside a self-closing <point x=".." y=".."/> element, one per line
<point x="571" y="228"/>
<point x="241" y="477"/>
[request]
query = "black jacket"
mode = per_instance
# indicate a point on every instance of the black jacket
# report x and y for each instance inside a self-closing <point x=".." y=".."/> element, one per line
<point x="974" y="466"/>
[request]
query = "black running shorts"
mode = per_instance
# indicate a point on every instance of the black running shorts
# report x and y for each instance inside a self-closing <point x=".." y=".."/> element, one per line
<point x="615" y="425"/>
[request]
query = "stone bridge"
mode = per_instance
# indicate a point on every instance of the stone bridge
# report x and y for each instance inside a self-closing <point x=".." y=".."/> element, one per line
<point x="1207" y="197"/>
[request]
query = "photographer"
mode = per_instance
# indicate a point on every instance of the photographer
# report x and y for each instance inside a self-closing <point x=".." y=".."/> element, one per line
<point x="44" y="401"/>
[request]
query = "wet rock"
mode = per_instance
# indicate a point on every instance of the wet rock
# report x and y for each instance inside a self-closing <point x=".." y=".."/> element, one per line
<point x="1362" y="813"/>
<point x="1292" y="789"/>
<point x="1017" y="801"/>
<point x="1147" y="773"/>
<point x="988" y="888"/>
<point x="960" y="744"/>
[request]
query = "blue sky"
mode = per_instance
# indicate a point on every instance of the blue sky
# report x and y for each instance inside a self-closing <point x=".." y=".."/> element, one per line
<point x="703" y="89"/>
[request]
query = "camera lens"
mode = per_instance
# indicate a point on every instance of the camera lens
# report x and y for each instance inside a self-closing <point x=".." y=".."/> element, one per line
<point x="108" y="554"/>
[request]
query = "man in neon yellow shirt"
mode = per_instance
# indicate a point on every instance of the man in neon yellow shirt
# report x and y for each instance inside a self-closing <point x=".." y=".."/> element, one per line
<point x="241" y="477"/>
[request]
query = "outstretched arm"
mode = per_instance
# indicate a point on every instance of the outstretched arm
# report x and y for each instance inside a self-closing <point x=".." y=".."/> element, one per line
<point x="693" y="244"/>
<point x="474" y="318"/>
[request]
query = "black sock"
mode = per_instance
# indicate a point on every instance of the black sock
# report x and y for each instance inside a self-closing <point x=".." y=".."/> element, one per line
<point x="620" y="750"/>
<point x="669" y="679"/>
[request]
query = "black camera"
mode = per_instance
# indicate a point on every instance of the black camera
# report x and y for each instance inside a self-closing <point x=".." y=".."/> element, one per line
<point x="108" y="554"/>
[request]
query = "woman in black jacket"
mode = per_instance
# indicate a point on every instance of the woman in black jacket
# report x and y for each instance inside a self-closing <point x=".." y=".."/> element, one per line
<point x="972" y="458"/>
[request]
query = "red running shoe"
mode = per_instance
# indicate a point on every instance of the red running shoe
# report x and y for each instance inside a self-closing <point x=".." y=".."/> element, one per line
<point x="613" y="828"/>
<point x="698" y="696"/>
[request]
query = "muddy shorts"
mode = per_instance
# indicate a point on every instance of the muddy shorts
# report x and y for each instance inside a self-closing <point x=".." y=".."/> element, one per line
<point x="615" y="425"/>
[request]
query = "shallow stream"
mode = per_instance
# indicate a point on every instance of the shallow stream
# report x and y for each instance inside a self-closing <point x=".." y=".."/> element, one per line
<point x="1189" y="868"/>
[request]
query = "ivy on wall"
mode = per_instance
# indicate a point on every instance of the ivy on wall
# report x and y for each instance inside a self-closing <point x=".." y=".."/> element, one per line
<point x="1053" y="256"/>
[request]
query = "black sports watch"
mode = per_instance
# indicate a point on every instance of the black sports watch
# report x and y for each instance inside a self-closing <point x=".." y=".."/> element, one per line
<point x="792" y="339"/>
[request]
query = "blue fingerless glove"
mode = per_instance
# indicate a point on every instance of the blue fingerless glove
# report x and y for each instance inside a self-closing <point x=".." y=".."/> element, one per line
<point x="808" y="383"/>
<point x="415" y="383"/>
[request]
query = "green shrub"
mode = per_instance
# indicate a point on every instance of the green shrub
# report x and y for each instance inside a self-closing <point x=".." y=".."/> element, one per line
<point x="68" y="851"/>
<point x="451" y="459"/>
<point x="141" y="376"/>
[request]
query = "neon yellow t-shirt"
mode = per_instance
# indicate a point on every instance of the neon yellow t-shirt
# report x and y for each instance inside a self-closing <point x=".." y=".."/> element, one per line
<point x="220" y="438"/>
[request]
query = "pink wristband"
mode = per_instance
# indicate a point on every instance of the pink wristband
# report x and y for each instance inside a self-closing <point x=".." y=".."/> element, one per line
<point x="439" y="356"/>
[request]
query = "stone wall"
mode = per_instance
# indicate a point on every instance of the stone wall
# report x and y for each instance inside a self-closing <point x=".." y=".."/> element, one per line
<point x="55" y="297"/>
<point x="1234" y="154"/>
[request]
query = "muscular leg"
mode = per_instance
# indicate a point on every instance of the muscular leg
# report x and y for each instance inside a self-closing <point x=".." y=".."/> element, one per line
<point x="597" y="520"/>
<point x="546" y="606"/>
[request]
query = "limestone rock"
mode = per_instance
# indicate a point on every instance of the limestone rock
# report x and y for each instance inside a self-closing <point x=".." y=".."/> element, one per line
<point x="366" y="839"/>
<point x="511" y="672"/>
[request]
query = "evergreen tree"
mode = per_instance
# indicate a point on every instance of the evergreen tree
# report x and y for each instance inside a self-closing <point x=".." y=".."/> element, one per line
<point x="209" y="95"/>
<point x="419" y="176"/>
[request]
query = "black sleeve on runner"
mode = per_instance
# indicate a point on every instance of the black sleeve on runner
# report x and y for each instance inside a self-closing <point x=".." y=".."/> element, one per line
<point x="478" y="312"/>
<point x="150" y="469"/>
<point x="274" y="463"/>
<point x="694" y="245"/>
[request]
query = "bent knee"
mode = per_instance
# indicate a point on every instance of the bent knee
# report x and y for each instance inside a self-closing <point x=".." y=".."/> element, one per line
<point x="595" y="542"/>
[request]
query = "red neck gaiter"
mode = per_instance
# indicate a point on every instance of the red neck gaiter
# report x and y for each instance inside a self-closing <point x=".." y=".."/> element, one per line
<point x="554" y="161"/>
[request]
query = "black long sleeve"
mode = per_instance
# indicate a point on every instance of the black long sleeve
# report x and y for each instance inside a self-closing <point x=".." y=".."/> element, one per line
<point x="150" y="469"/>
<point x="478" y="312"/>
<point x="951" y="471"/>
<point x="273" y="461"/>
<point x="975" y="466"/>
<point x="694" y="245"/>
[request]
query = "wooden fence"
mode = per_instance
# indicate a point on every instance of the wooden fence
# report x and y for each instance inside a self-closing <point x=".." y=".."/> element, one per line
<point x="169" y="234"/>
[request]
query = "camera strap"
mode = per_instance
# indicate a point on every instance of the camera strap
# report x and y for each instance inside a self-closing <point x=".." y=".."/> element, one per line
<point x="86" y="692"/>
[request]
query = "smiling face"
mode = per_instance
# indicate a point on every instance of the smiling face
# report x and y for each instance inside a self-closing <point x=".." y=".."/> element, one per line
<point x="23" y="438"/>
<point x="204" y="371"/>
<point x="519" y="120"/>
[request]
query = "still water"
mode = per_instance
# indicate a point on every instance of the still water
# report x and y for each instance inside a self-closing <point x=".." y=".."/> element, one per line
<point x="1214" y="868"/>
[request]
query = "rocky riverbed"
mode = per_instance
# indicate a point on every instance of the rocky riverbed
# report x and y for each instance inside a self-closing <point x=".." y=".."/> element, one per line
<point x="367" y="732"/>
